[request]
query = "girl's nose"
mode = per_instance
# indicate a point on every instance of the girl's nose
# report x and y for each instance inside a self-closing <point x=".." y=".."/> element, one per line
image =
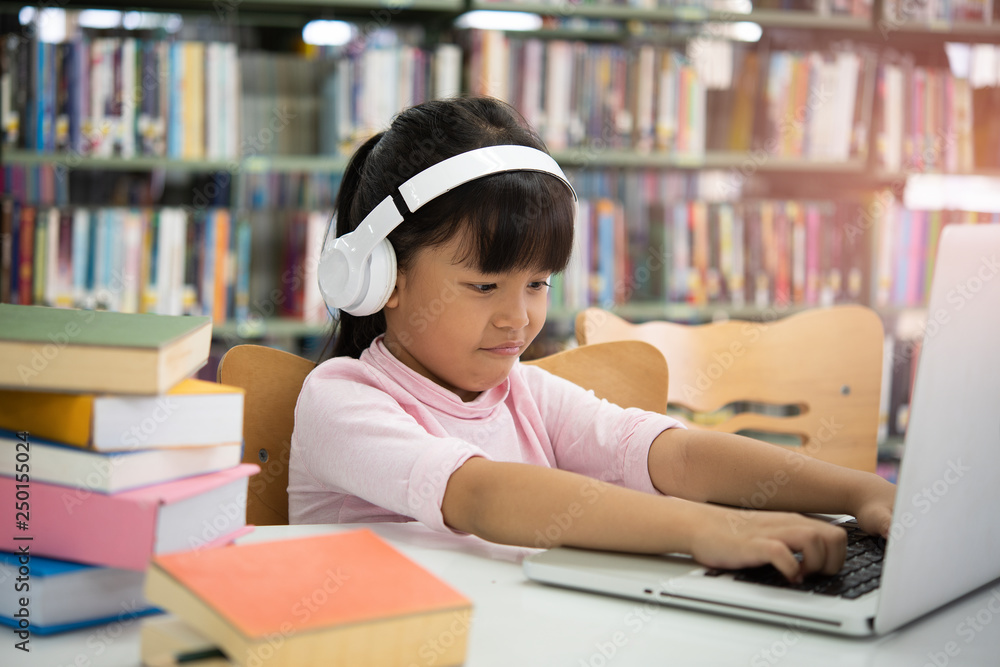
<point x="512" y="314"/>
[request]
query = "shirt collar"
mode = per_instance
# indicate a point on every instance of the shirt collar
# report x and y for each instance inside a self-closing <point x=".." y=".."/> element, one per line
<point x="430" y="393"/>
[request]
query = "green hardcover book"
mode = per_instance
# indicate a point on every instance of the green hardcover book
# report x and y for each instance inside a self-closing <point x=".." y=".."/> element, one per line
<point x="43" y="348"/>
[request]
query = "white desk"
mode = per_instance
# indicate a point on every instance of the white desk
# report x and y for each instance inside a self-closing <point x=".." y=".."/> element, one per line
<point x="519" y="623"/>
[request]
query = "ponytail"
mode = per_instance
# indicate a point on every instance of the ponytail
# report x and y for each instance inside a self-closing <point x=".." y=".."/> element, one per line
<point x="352" y="335"/>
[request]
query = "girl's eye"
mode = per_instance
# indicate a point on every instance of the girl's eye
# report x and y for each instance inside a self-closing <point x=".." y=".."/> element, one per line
<point x="484" y="288"/>
<point x="539" y="284"/>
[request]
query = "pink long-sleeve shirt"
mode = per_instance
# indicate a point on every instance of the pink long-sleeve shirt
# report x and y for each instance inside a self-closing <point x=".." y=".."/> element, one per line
<point x="376" y="441"/>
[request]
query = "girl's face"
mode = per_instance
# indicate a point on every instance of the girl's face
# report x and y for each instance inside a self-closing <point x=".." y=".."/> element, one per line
<point x="458" y="327"/>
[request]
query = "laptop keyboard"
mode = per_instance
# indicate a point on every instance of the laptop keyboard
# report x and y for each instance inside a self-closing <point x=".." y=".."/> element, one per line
<point x="861" y="573"/>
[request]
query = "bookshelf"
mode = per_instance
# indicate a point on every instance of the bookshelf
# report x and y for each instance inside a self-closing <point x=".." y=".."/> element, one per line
<point x="781" y="176"/>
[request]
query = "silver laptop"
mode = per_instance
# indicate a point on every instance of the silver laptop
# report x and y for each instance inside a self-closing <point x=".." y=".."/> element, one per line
<point x="945" y="535"/>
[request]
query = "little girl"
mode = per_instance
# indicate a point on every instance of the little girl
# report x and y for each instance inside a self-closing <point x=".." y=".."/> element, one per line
<point x="424" y="412"/>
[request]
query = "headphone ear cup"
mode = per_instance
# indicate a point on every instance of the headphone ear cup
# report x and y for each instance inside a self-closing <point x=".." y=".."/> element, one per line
<point x="381" y="280"/>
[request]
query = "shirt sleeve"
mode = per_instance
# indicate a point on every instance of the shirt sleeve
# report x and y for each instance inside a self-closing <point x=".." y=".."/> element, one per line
<point x="355" y="438"/>
<point x="592" y="436"/>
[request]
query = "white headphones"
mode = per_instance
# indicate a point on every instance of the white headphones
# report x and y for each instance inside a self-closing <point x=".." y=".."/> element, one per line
<point x="357" y="272"/>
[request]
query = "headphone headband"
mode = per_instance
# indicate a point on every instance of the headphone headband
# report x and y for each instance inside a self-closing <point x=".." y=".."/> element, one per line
<point x="347" y="268"/>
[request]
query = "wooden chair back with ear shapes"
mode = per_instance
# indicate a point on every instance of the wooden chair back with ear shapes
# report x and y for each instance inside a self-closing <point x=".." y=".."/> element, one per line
<point x="826" y="361"/>
<point x="272" y="380"/>
<point x="629" y="373"/>
<point x="632" y="374"/>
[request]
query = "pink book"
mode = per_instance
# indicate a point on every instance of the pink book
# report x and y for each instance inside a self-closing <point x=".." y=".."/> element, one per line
<point x="125" y="529"/>
<point x="915" y="263"/>
<point x="813" y="232"/>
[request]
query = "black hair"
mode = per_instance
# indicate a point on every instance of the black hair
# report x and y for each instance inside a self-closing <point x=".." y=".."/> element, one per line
<point x="515" y="220"/>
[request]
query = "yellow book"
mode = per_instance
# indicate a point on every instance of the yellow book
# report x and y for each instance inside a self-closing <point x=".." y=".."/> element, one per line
<point x="192" y="413"/>
<point x="193" y="111"/>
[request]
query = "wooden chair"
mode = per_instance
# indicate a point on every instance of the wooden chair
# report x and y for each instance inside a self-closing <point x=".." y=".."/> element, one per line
<point x="630" y="373"/>
<point x="272" y="380"/>
<point x="827" y="362"/>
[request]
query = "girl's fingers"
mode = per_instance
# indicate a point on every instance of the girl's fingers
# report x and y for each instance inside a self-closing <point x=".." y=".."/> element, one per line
<point x="781" y="557"/>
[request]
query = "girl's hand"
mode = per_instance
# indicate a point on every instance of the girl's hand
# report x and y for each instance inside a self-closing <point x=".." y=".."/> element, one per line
<point x="872" y="506"/>
<point x="733" y="538"/>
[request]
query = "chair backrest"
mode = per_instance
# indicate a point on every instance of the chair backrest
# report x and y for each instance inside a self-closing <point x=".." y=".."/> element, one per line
<point x="631" y="373"/>
<point x="272" y="380"/>
<point x="826" y="362"/>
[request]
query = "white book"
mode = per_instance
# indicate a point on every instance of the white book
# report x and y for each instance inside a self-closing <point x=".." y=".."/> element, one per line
<point x="81" y="255"/>
<point x="644" y="122"/>
<point x="845" y="78"/>
<point x="892" y="122"/>
<point x="132" y="224"/>
<point x="666" y="116"/>
<point x="558" y="86"/>
<point x="51" y="251"/>
<point x="113" y="472"/>
<point x="447" y="71"/>
<point x="313" y="305"/>
<point x="531" y="83"/>
<point x="213" y="101"/>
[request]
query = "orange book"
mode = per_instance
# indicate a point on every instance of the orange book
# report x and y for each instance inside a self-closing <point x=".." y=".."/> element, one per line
<point x="338" y="599"/>
<point x="192" y="413"/>
<point x="220" y="302"/>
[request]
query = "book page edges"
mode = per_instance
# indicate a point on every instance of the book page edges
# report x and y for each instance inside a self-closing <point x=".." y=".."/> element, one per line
<point x="438" y="638"/>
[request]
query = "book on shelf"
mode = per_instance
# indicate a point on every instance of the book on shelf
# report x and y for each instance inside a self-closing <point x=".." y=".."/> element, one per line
<point x="113" y="472"/>
<point x="192" y="413"/>
<point x="166" y="261"/>
<point x="763" y="253"/>
<point x="64" y="595"/>
<point x="125" y="529"/>
<point x="906" y="248"/>
<point x="381" y="606"/>
<point x="63" y="349"/>
<point x="858" y="8"/>
<point x="802" y="105"/>
<point x="938" y="119"/>
<point x="935" y="12"/>
<point x="122" y="96"/>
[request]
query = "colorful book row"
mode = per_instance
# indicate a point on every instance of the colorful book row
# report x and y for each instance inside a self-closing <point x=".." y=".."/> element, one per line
<point x="925" y="120"/>
<point x="803" y="105"/>
<point x="859" y="8"/>
<point x="163" y="261"/>
<point x="760" y="253"/>
<point x="907" y="248"/>
<point x="122" y="96"/>
<point x="937" y="11"/>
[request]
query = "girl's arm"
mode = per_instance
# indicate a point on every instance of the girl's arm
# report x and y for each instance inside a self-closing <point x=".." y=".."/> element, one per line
<point x="535" y="506"/>
<point x="730" y="469"/>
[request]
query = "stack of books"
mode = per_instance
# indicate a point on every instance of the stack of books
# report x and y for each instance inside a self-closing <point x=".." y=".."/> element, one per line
<point x="335" y="599"/>
<point x="113" y="453"/>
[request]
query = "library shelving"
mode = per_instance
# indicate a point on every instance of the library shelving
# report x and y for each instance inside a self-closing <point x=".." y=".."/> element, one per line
<point x="636" y="34"/>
